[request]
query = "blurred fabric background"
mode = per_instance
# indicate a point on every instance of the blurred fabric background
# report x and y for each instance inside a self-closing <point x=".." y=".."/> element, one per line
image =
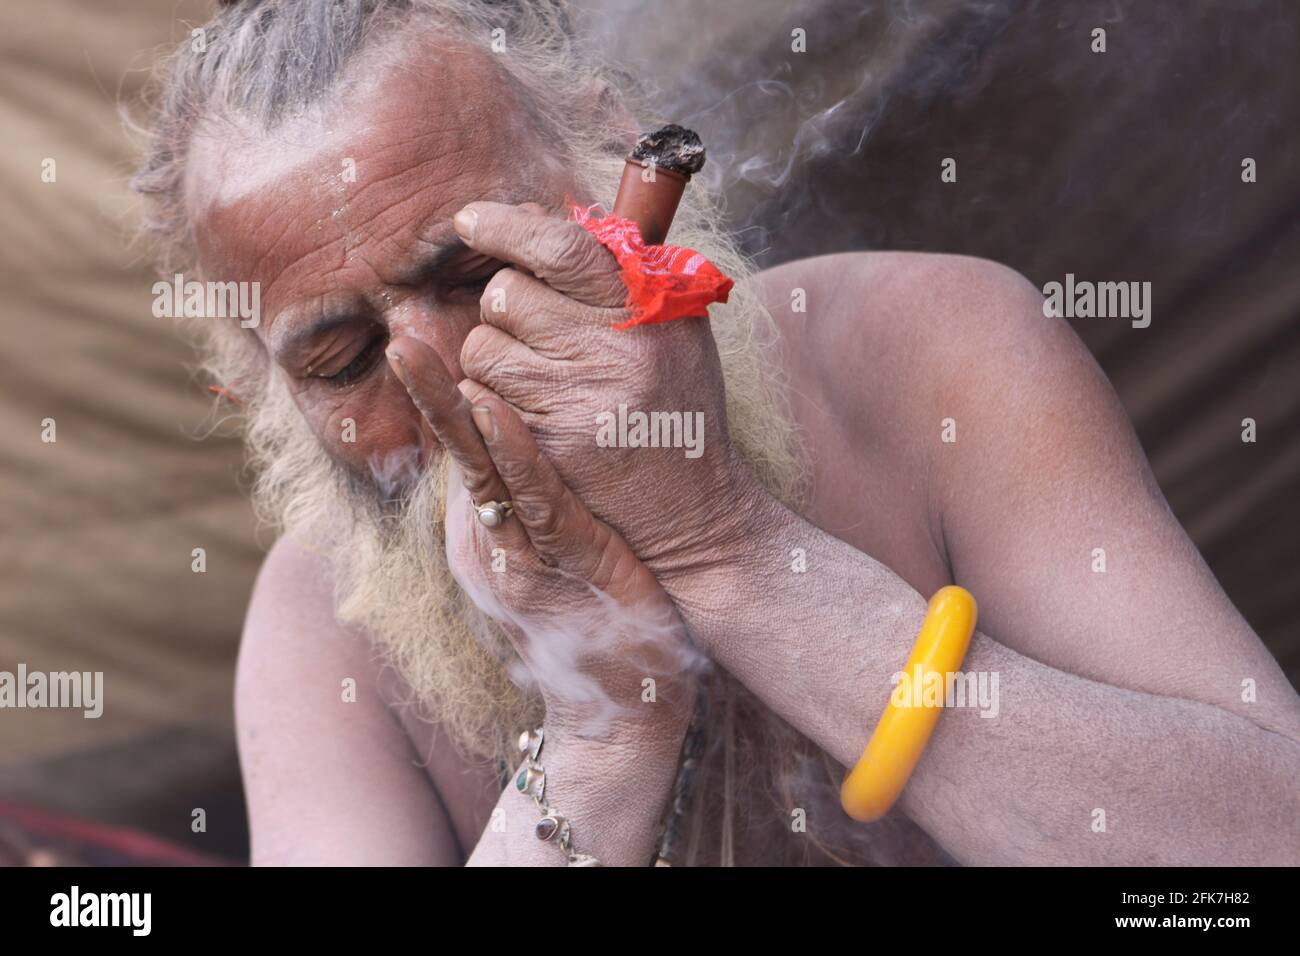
<point x="1122" y="166"/>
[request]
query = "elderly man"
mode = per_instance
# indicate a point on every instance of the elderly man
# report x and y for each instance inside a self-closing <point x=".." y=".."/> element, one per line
<point x="436" y="333"/>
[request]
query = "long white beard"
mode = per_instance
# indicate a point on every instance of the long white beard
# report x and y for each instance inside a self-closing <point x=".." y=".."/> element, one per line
<point x="388" y="551"/>
<point x="384" y="533"/>
<point x="383" y="536"/>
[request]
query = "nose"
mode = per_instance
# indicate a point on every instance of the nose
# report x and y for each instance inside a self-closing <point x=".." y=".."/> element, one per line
<point x="441" y="327"/>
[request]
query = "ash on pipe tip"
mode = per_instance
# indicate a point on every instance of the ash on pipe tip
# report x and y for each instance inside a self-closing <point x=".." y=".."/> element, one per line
<point x="655" y="176"/>
<point x="672" y="147"/>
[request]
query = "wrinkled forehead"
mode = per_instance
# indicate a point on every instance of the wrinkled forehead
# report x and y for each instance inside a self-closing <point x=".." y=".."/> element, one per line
<point x="410" y="137"/>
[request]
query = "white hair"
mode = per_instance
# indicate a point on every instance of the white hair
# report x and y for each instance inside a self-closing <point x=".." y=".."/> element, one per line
<point x="269" y="61"/>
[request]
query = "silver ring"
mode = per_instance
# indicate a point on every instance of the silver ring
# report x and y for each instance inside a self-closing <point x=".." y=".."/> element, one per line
<point x="494" y="513"/>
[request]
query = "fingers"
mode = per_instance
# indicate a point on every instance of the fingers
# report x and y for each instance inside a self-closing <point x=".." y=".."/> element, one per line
<point x="471" y="543"/>
<point x="560" y="527"/>
<point x="435" y="394"/>
<point x="560" y="253"/>
<point x="551" y="324"/>
<point x="510" y="368"/>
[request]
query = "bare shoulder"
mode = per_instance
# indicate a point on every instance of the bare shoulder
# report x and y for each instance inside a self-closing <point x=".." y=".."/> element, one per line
<point x="899" y="274"/>
<point x="884" y="312"/>
<point x="976" y="413"/>
<point x="873" y="347"/>
<point x="927" y="350"/>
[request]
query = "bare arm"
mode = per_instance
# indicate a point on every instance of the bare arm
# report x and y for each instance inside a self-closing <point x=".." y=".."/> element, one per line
<point x="1180" y="781"/>
<point x="587" y="619"/>
<point x="327" y="782"/>
<point x="1143" y="724"/>
<point x="334" y="783"/>
<point x="1120" y="691"/>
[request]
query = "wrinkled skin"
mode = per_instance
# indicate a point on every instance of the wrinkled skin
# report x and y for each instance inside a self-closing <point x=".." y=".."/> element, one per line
<point x="1104" y="672"/>
<point x="588" y="618"/>
<point x="358" y="276"/>
<point x="346" y="282"/>
<point x="553" y="353"/>
<point x="357" y="253"/>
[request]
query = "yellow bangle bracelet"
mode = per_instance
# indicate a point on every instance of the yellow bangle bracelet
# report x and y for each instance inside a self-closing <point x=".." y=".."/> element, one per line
<point x="875" y="783"/>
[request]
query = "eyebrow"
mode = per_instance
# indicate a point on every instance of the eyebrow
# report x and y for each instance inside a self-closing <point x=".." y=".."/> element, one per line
<point x="433" y="257"/>
<point x="298" y="336"/>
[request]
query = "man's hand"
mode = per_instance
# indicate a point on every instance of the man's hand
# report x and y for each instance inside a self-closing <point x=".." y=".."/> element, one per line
<point x="547" y="346"/>
<point x="589" y="620"/>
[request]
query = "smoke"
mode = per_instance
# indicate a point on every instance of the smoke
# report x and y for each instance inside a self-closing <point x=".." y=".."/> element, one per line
<point x="396" y="472"/>
<point x="839" y="147"/>
<point x="777" y="90"/>
<point x="589" y="659"/>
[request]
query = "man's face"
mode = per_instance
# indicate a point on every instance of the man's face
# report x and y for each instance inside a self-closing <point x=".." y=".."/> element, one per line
<point x="344" y="218"/>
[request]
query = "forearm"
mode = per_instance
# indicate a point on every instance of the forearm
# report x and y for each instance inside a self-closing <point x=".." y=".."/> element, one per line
<point x="613" y="796"/>
<point x="1077" y="772"/>
<point x="1174" y="778"/>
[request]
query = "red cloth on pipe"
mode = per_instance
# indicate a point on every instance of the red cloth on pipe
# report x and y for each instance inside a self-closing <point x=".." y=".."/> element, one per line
<point x="663" y="282"/>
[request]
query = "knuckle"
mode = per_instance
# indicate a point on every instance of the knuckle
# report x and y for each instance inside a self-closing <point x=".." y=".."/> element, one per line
<point x="507" y="294"/>
<point x="569" y="341"/>
<point x="563" y="245"/>
<point x="570" y="254"/>
<point x="478" y="483"/>
<point x="545" y="524"/>
<point x="510" y="281"/>
<point x="612" y="291"/>
<point x="517" y="472"/>
<point x="531" y="231"/>
<point x="641" y="390"/>
<point x="501" y="370"/>
<point x="474" y="352"/>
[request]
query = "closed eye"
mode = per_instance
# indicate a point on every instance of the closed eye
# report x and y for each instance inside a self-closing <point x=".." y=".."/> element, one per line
<point x="360" y="366"/>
